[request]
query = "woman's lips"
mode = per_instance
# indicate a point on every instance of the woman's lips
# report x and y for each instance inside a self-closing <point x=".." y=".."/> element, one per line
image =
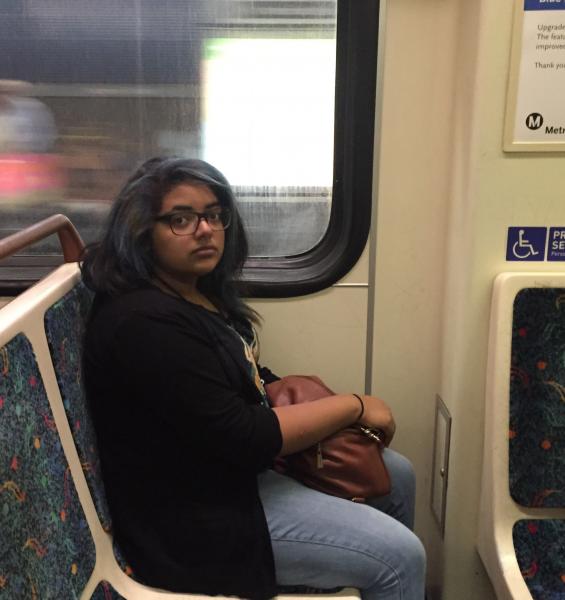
<point x="205" y="251"/>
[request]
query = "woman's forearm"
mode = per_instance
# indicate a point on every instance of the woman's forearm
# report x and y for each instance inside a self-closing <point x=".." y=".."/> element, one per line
<point x="302" y="425"/>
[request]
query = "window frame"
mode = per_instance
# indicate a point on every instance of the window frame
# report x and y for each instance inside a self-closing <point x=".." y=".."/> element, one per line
<point x="354" y="126"/>
<point x="350" y="215"/>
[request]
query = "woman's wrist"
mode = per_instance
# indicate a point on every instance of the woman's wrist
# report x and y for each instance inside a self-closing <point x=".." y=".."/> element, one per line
<point x="362" y="407"/>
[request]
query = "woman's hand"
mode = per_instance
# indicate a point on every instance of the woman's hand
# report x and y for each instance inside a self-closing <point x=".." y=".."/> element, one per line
<point x="378" y="415"/>
<point x="305" y="424"/>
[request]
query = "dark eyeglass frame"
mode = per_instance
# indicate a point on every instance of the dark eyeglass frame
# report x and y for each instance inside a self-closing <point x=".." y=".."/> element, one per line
<point x="223" y="212"/>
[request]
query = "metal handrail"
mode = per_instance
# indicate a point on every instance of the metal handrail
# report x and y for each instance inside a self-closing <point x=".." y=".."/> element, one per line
<point x="71" y="242"/>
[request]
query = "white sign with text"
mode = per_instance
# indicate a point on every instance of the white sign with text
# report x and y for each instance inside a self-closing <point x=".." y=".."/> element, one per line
<point x="538" y="93"/>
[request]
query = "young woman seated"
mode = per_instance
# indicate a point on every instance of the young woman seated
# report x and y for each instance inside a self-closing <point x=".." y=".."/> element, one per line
<point x="186" y="435"/>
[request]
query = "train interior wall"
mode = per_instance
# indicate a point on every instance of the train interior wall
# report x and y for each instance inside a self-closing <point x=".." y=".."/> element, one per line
<point x="417" y="304"/>
<point x="410" y="321"/>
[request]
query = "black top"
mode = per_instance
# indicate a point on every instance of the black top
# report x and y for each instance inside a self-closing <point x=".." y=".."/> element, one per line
<point x="182" y="434"/>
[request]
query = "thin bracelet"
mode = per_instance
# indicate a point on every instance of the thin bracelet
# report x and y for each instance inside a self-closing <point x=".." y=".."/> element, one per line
<point x="362" y="406"/>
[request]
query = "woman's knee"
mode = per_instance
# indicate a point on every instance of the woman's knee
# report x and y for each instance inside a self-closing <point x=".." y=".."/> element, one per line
<point x="400" y="469"/>
<point x="401" y="500"/>
<point x="405" y="574"/>
<point x="407" y="549"/>
<point x="396" y="553"/>
<point x="416" y="554"/>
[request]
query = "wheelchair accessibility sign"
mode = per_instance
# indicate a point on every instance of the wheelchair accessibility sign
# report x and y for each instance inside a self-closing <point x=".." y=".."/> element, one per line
<point x="526" y="243"/>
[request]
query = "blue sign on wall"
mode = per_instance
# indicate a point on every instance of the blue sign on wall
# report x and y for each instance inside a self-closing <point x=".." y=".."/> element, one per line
<point x="526" y="243"/>
<point x="544" y="4"/>
<point x="556" y="244"/>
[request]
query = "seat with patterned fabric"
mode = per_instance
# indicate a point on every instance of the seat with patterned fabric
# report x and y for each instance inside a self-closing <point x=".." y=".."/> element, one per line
<point x="522" y="517"/>
<point x="52" y="499"/>
<point x="47" y="550"/>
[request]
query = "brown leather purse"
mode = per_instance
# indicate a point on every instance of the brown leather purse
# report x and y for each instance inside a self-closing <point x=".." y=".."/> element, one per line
<point x="348" y="464"/>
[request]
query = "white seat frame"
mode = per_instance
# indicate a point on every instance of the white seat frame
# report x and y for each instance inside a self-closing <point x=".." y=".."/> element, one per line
<point x="498" y="511"/>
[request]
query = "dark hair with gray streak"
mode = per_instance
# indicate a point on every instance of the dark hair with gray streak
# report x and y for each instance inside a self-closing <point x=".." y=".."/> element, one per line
<point x="123" y="259"/>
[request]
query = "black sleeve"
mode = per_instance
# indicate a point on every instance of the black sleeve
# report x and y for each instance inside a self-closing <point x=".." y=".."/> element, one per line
<point x="178" y="374"/>
<point x="267" y="376"/>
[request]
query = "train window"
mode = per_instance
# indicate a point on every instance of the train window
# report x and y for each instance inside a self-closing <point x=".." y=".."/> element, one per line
<point x="277" y="94"/>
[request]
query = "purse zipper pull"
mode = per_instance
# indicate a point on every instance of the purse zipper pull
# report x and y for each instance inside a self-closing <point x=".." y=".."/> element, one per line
<point x="319" y="457"/>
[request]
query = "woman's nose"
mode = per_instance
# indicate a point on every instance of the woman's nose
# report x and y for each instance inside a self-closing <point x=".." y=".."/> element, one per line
<point x="203" y="228"/>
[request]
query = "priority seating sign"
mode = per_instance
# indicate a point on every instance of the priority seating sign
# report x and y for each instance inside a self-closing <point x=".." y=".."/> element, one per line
<point x="526" y="243"/>
<point x="556" y="243"/>
<point x="534" y="244"/>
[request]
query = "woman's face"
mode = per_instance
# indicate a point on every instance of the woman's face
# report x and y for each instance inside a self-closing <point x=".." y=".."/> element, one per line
<point x="185" y="258"/>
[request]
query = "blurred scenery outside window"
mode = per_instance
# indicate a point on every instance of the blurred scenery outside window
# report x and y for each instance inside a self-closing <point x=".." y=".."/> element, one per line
<point x="90" y="89"/>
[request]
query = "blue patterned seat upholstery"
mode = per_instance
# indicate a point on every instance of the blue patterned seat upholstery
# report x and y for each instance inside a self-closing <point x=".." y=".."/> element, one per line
<point x="64" y="326"/>
<point x="104" y="591"/>
<point x="46" y="549"/>
<point x="537" y="399"/>
<point x="540" y="550"/>
<point x="537" y="436"/>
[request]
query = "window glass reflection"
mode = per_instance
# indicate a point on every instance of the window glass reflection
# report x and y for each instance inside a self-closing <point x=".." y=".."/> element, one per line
<point x="89" y="89"/>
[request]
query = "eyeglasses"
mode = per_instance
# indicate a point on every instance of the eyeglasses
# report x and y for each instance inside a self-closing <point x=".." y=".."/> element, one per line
<point x="186" y="222"/>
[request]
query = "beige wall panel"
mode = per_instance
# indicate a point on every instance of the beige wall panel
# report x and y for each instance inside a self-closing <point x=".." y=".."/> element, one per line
<point x="413" y="203"/>
<point x="463" y="364"/>
<point x="323" y="334"/>
<point x="491" y="191"/>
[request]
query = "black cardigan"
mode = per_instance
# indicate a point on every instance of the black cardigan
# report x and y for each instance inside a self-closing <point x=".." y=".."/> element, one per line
<point x="182" y="435"/>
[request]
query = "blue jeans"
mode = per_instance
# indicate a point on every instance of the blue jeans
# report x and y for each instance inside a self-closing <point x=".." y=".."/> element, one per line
<point x="324" y="542"/>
